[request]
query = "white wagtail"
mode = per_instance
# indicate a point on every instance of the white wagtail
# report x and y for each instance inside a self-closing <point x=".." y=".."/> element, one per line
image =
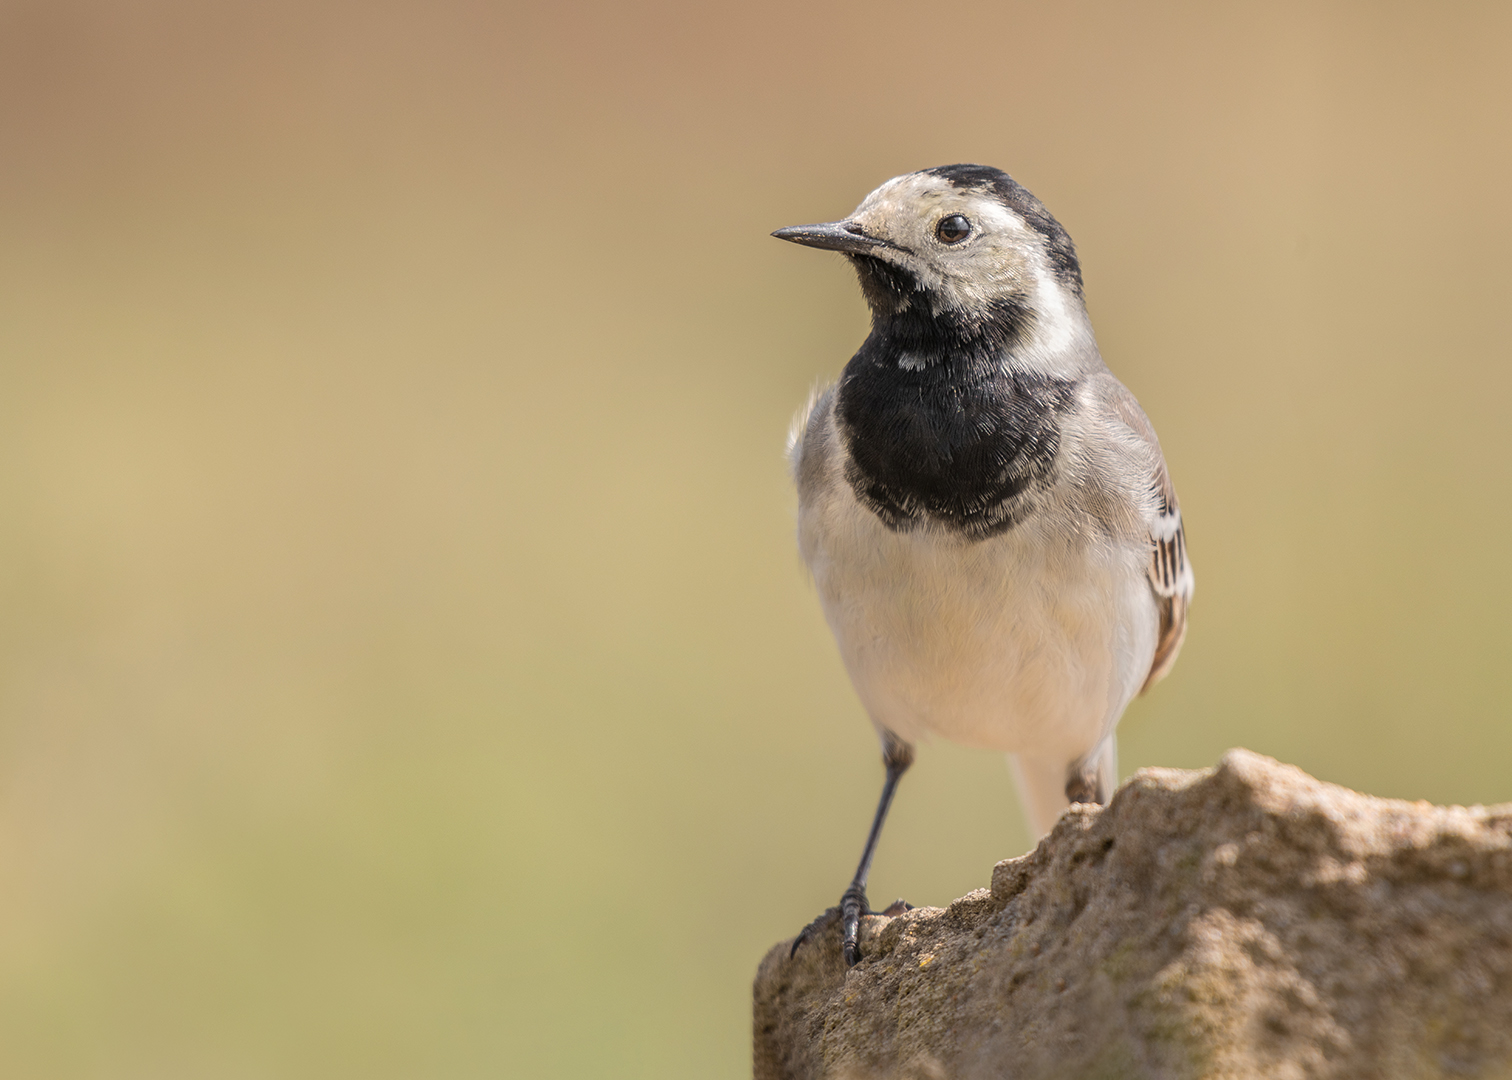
<point x="984" y="508"/>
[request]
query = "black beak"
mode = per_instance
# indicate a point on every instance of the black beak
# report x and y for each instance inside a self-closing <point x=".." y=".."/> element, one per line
<point x="834" y="236"/>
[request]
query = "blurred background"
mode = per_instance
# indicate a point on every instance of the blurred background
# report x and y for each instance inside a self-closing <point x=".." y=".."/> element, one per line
<point x="405" y="665"/>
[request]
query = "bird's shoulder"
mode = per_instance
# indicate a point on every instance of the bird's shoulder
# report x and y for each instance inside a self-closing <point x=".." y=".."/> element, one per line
<point x="811" y="439"/>
<point x="1128" y="436"/>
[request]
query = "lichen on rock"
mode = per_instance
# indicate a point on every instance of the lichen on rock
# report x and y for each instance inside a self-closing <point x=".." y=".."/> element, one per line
<point x="1243" y="921"/>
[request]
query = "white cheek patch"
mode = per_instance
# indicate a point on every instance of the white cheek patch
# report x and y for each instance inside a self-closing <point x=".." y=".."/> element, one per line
<point x="994" y="261"/>
<point x="1058" y="325"/>
<point x="1015" y="262"/>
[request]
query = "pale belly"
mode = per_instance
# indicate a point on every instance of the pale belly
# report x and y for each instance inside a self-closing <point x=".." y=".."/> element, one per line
<point x="1013" y="643"/>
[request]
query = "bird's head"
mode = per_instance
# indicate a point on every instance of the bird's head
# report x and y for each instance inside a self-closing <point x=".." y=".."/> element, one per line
<point x="960" y="256"/>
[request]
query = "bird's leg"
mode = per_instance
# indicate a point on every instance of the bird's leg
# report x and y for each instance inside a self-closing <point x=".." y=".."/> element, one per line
<point x="897" y="756"/>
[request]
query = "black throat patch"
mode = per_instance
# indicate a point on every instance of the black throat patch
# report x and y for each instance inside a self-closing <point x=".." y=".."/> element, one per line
<point x="937" y="426"/>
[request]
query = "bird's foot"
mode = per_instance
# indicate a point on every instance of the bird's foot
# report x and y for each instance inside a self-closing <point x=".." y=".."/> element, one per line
<point x="853" y="905"/>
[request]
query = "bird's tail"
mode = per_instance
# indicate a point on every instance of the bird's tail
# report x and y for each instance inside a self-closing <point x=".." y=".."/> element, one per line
<point x="1042" y="783"/>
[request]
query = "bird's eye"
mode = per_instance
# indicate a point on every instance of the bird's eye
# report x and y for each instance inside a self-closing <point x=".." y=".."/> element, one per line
<point x="953" y="230"/>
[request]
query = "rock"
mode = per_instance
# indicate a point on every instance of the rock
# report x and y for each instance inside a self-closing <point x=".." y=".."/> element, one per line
<point x="1243" y="921"/>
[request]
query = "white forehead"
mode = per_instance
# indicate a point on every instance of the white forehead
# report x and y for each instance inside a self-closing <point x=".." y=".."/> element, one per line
<point x="924" y="196"/>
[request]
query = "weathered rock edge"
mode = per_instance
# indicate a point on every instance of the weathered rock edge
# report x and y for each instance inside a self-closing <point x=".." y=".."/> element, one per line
<point x="1243" y="921"/>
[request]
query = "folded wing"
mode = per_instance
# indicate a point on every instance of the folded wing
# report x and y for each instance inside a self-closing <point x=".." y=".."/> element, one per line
<point x="1169" y="573"/>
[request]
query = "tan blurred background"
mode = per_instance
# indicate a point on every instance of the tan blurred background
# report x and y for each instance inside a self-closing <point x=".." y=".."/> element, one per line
<point x="405" y="668"/>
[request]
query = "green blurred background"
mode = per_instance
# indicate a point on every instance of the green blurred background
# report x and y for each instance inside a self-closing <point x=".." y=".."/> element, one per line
<point x="405" y="666"/>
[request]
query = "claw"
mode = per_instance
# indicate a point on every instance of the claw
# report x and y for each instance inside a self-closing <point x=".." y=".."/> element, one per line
<point x="799" y="940"/>
<point x="810" y="931"/>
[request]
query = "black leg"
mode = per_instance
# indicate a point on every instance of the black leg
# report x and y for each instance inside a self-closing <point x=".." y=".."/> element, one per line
<point x="897" y="756"/>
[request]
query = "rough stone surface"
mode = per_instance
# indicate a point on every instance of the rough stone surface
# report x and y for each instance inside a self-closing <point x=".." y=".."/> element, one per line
<point x="1244" y="921"/>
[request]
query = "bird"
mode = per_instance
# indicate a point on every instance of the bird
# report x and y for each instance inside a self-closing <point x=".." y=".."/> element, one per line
<point x="984" y="509"/>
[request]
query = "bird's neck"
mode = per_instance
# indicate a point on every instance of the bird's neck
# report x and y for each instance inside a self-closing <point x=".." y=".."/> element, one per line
<point x="949" y="344"/>
<point x="917" y="331"/>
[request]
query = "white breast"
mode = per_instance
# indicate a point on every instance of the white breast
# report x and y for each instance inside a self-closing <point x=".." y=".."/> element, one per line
<point x="1031" y="642"/>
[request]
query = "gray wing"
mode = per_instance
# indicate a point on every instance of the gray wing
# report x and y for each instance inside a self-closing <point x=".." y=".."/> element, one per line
<point x="1169" y="573"/>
